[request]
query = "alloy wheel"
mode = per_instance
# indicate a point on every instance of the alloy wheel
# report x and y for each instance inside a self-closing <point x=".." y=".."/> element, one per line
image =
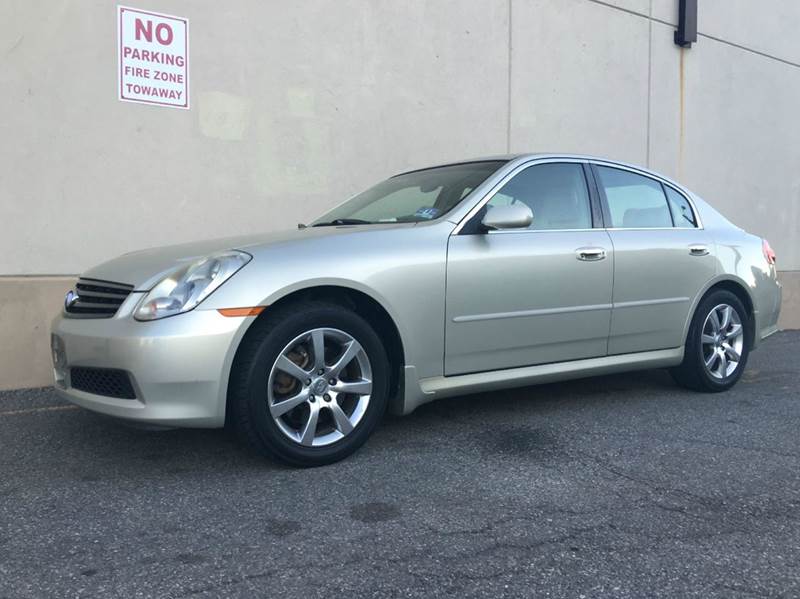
<point x="319" y="387"/>
<point x="722" y="340"/>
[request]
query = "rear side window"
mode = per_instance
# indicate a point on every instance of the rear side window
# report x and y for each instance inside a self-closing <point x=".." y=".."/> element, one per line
<point x="681" y="210"/>
<point x="556" y="193"/>
<point x="635" y="201"/>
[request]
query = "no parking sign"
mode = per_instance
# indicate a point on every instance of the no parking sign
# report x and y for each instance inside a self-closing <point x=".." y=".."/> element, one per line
<point x="153" y="57"/>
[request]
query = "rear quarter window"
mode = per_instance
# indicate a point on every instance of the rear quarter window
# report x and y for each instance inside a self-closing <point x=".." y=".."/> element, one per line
<point x="682" y="213"/>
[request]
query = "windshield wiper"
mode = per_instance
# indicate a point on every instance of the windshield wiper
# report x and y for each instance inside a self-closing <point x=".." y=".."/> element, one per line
<point x="343" y="221"/>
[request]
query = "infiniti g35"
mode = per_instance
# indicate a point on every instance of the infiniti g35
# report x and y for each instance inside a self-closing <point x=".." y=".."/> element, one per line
<point x="466" y="277"/>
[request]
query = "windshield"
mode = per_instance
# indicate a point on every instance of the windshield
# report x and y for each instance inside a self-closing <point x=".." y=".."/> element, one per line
<point x="412" y="197"/>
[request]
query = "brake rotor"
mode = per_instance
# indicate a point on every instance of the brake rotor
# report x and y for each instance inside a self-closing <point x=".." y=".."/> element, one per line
<point x="286" y="384"/>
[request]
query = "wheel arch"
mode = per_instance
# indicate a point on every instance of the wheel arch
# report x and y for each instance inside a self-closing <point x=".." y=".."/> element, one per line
<point x="366" y="306"/>
<point x="739" y="289"/>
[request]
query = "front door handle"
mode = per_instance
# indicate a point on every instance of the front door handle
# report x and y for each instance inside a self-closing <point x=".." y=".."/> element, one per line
<point x="698" y="250"/>
<point x="590" y="254"/>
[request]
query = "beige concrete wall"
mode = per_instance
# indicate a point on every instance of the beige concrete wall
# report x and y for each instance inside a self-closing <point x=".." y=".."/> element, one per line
<point x="27" y="305"/>
<point x="579" y="76"/>
<point x="298" y="105"/>
<point x="790" y="310"/>
<point x="295" y="106"/>
<point x="722" y="122"/>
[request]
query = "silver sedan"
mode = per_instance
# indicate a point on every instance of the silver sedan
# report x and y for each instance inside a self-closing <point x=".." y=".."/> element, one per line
<point x="466" y="277"/>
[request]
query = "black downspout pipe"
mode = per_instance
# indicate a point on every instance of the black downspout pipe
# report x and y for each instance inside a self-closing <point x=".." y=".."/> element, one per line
<point x="686" y="34"/>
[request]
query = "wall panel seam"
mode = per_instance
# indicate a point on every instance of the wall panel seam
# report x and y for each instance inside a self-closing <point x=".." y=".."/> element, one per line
<point x="649" y="83"/>
<point x="751" y="50"/>
<point x="510" y="49"/>
<point x="699" y="33"/>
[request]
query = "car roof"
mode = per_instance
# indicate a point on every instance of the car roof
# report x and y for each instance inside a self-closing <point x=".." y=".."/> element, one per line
<point x="525" y="156"/>
<point x="533" y="155"/>
<point x="548" y="155"/>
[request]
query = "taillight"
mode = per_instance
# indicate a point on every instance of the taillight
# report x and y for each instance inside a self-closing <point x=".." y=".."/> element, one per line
<point x="769" y="253"/>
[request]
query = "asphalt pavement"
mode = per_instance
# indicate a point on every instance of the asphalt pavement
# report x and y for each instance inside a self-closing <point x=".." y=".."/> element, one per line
<point x="617" y="486"/>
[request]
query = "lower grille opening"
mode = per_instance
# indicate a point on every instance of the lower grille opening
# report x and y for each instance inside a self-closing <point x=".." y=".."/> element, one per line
<point x="102" y="381"/>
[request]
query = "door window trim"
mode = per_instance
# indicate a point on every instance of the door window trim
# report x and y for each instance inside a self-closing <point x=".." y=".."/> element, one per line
<point x="663" y="183"/>
<point x="594" y="201"/>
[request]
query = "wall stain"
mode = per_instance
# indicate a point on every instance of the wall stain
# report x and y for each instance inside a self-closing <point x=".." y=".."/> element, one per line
<point x="15" y="45"/>
<point x="374" y="512"/>
<point x="282" y="528"/>
<point x="190" y="558"/>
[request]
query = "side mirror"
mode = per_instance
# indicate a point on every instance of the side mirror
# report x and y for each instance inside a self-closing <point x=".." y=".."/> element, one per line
<point x="514" y="216"/>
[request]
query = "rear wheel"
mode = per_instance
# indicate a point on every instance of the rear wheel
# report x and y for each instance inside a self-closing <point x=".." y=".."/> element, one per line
<point x="717" y="345"/>
<point x="310" y="384"/>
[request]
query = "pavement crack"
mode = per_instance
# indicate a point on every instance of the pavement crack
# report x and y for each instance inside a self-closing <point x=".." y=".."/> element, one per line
<point x="767" y="450"/>
<point x="647" y="483"/>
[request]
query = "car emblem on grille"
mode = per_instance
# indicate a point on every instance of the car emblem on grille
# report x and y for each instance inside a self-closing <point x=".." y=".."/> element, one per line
<point x="71" y="299"/>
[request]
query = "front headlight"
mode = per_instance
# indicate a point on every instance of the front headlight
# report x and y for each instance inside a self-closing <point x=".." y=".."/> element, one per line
<point x="187" y="286"/>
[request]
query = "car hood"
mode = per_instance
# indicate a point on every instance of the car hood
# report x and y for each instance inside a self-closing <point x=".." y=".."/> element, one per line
<point x="145" y="268"/>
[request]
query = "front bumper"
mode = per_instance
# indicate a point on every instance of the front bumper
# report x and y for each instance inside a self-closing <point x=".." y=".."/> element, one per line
<point x="178" y="366"/>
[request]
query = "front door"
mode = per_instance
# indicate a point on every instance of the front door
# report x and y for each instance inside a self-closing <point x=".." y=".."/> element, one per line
<point x="531" y="296"/>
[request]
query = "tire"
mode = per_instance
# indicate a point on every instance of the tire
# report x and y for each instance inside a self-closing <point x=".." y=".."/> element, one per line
<point x="266" y="383"/>
<point x="708" y="340"/>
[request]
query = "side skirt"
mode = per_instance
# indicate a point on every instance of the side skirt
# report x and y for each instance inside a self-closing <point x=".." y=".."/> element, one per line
<point x="418" y="392"/>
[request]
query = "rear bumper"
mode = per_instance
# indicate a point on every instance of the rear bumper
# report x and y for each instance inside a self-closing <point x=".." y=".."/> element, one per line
<point x="178" y="366"/>
<point x="767" y="308"/>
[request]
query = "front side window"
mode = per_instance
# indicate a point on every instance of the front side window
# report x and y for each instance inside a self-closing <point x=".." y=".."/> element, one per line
<point x="681" y="210"/>
<point x="634" y="201"/>
<point x="412" y="197"/>
<point x="556" y="193"/>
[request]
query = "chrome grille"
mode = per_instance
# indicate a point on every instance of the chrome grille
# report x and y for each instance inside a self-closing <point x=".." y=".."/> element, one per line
<point x="96" y="299"/>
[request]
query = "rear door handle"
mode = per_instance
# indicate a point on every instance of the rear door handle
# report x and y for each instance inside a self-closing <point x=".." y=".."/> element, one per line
<point x="590" y="254"/>
<point x="698" y="250"/>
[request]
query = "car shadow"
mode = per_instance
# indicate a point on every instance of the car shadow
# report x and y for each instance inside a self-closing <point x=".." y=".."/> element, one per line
<point x="102" y="448"/>
<point x="180" y="450"/>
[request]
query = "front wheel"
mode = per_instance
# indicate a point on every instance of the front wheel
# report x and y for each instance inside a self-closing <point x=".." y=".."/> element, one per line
<point x="310" y="384"/>
<point x="717" y="345"/>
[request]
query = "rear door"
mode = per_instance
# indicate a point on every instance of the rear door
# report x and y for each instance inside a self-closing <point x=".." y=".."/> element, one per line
<point x="662" y="259"/>
<point x="530" y="296"/>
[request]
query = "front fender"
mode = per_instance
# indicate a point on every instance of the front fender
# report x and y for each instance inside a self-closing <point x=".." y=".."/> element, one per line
<point x="401" y="270"/>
